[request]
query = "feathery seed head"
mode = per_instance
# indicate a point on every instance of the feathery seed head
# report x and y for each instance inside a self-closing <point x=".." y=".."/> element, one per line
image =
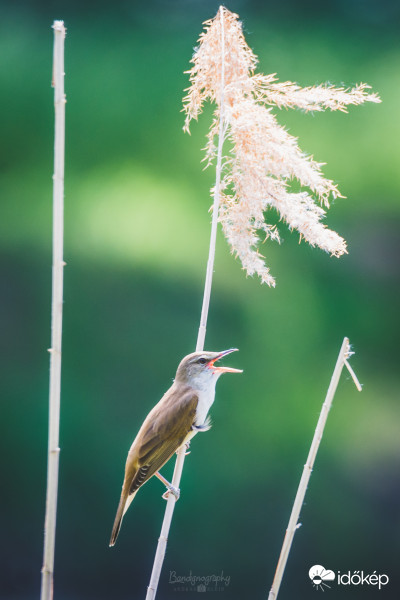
<point x="264" y="157"/>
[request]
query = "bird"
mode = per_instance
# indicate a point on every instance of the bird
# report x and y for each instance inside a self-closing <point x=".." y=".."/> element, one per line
<point x="179" y="415"/>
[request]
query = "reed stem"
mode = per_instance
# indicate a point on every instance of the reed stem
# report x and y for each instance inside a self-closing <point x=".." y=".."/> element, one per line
<point x="305" y="478"/>
<point x="162" y="541"/>
<point x="56" y="315"/>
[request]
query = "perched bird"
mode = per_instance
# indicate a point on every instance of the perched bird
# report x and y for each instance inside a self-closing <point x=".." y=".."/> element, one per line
<point x="179" y="415"/>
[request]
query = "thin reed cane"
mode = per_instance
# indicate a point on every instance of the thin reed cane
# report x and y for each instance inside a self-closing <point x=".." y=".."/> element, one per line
<point x="301" y="491"/>
<point x="162" y="540"/>
<point x="56" y="314"/>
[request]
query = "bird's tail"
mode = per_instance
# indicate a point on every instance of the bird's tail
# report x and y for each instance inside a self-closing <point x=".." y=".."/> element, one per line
<point x="123" y="506"/>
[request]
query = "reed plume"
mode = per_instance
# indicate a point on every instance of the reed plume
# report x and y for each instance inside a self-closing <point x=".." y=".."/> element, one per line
<point x="264" y="158"/>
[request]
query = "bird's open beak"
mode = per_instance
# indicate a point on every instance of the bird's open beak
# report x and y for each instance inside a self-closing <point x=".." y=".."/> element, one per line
<point x="224" y="369"/>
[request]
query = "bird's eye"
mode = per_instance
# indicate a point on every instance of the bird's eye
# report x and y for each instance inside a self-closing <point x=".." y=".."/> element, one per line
<point x="202" y="361"/>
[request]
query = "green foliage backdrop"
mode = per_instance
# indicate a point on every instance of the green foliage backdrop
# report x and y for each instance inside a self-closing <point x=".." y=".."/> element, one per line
<point x="136" y="241"/>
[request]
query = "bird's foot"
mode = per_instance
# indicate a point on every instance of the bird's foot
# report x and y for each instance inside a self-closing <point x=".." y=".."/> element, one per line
<point x="170" y="488"/>
<point x="187" y="446"/>
<point x="173" y="490"/>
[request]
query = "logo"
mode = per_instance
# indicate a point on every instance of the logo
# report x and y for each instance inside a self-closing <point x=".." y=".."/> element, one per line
<point x="200" y="583"/>
<point x="319" y="576"/>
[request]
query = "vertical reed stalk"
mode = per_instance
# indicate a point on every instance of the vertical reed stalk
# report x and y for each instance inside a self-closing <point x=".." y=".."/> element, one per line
<point x="56" y="313"/>
<point x="162" y="540"/>
<point x="301" y="491"/>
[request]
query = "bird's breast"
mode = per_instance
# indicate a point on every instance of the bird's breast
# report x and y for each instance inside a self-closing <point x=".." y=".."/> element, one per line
<point x="206" y="398"/>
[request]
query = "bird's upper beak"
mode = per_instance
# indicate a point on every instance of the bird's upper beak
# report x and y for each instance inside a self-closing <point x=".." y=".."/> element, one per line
<point x="224" y="369"/>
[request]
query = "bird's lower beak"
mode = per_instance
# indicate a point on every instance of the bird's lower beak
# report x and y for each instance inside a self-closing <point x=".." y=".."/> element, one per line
<point x="224" y="369"/>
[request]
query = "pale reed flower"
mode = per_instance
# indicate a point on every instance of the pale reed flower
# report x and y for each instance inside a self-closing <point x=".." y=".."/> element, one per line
<point x="264" y="158"/>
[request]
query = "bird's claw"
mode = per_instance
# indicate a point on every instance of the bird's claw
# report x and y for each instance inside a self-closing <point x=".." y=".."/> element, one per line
<point x="173" y="490"/>
<point x="187" y="446"/>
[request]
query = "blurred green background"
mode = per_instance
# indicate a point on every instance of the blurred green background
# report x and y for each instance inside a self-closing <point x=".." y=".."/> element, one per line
<point x="136" y="243"/>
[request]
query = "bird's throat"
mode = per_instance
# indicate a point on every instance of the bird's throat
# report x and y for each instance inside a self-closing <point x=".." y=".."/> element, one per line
<point x="206" y="399"/>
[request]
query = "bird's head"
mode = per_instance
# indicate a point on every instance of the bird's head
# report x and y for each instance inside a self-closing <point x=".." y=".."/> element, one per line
<point x="199" y="368"/>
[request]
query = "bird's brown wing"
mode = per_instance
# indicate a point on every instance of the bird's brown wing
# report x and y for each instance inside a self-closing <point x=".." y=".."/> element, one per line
<point x="164" y="434"/>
